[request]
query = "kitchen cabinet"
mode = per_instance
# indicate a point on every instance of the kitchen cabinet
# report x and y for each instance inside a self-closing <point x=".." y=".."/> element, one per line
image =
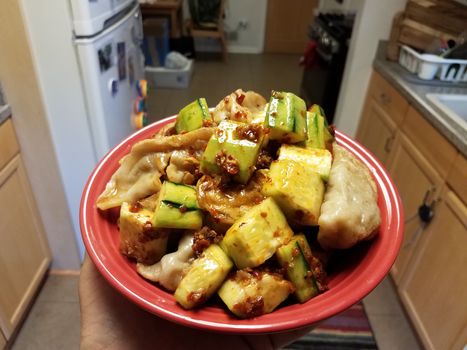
<point x="416" y="181"/>
<point x="383" y="112"/>
<point x="24" y="253"/>
<point x="2" y="341"/>
<point x="429" y="273"/>
<point x="434" y="291"/>
<point x="457" y="176"/>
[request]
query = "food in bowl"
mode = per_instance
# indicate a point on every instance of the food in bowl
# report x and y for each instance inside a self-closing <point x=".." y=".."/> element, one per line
<point x="240" y="190"/>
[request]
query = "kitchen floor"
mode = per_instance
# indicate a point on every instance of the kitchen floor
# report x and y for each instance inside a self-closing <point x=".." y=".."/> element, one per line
<point x="214" y="79"/>
<point x="54" y="320"/>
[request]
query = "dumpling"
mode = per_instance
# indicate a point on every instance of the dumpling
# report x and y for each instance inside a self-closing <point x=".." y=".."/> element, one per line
<point x="350" y="211"/>
<point x="228" y="203"/>
<point x="184" y="167"/>
<point x="240" y="106"/>
<point x="139" y="173"/>
<point x="170" y="270"/>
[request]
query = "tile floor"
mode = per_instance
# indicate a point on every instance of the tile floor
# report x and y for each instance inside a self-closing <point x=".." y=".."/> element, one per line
<point x="53" y="322"/>
<point x="214" y="79"/>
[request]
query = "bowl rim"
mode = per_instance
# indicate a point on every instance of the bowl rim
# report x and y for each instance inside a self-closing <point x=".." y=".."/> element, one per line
<point x="336" y="300"/>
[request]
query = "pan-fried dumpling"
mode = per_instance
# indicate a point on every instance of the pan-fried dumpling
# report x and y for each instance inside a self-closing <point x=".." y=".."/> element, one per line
<point x="240" y="106"/>
<point x="350" y="211"/>
<point x="139" y="173"/>
<point x="170" y="270"/>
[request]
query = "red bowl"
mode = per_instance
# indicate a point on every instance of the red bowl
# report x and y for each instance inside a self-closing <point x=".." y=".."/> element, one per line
<point x="357" y="273"/>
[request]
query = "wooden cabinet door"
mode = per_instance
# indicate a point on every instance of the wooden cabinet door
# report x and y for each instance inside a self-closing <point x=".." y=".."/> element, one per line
<point x="287" y="25"/>
<point x="2" y="340"/>
<point x="434" y="289"/>
<point x="24" y="254"/>
<point x="414" y="178"/>
<point x="377" y="131"/>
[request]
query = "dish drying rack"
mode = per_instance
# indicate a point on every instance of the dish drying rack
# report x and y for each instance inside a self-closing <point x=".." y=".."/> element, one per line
<point x="429" y="67"/>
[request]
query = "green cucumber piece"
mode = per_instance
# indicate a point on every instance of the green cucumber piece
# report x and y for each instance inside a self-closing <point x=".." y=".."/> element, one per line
<point x="319" y="160"/>
<point x="230" y="153"/>
<point x="204" y="277"/>
<point x="193" y="116"/>
<point x="293" y="257"/>
<point x="255" y="237"/>
<point x="286" y="117"/>
<point x="319" y="135"/>
<point x="178" y="195"/>
<point x="248" y="293"/>
<point x="169" y="216"/>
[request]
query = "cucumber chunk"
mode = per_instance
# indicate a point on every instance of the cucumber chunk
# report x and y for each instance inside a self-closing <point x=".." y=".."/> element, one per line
<point x="168" y="216"/>
<point x="286" y="117"/>
<point x="294" y="258"/>
<point x="318" y="160"/>
<point x="233" y="150"/>
<point x="193" y="116"/>
<point x="179" y="195"/>
<point x="253" y="293"/>
<point x="177" y="208"/>
<point x="297" y="189"/>
<point x="204" y="277"/>
<point x="319" y="135"/>
<point x="255" y="237"/>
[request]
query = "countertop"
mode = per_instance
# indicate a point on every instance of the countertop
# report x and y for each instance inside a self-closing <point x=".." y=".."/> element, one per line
<point x="415" y="93"/>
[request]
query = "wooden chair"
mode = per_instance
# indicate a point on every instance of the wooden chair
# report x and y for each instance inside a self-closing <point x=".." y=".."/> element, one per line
<point x="213" y="28"/>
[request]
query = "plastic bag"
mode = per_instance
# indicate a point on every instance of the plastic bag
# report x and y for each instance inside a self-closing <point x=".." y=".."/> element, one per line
<point x="176" y="60"/>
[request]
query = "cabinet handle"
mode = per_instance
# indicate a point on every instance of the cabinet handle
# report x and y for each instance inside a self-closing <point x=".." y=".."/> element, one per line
<point x="425" y="213"/>
<point x="389" y="143"/>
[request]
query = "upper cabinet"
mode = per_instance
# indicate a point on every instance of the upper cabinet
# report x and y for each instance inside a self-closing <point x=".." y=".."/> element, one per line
<point x="431" y="174"/>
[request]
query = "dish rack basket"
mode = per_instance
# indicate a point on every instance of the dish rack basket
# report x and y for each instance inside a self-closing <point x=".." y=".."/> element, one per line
<point x="429" y="67"/>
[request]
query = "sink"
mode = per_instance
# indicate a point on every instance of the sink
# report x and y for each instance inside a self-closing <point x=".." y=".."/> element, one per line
<point x="452" y="106"/>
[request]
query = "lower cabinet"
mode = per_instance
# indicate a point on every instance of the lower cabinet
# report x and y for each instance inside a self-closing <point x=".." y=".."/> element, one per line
<point x="2" y="341"/>
<point x="24" y="253"/>
<point x="431" y="270"/>
<point x="416" y="181"/>
<point x="434" y="289"/>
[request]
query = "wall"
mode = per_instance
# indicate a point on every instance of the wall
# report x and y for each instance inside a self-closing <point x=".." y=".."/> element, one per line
<point x="63" y="98"/>
<point x="373" y="23"/>
<point x="249" y="39"/>
<point x="346" y="6"/>
<point x="18" y="74"/>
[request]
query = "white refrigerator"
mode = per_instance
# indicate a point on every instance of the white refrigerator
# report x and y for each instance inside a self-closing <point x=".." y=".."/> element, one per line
<point x="88" y="59"/>
<point x="107" y="37"/>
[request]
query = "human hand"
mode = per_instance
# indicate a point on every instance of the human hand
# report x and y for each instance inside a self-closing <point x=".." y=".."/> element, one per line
<point x="110" y="321"/>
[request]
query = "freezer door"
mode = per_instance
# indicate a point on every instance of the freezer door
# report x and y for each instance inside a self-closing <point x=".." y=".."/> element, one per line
<point x="110" y="64"/>
<point x="91" y="16"/>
